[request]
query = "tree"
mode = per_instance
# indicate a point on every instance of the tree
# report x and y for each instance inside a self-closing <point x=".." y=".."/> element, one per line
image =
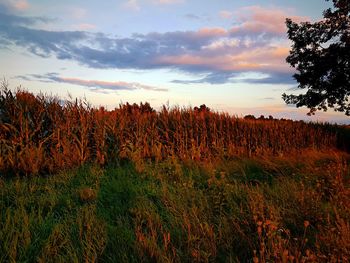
<point x="321" y="55"/>
<point x="202" y="108"/>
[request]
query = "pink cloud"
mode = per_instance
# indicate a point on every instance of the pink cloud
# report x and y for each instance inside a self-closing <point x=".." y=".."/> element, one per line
<point x="166" y="2"/>
<point x="19" y="5"/>
<point x="107" y="85"/>
<point x="270" y="58"/>
<point x="220" y="63"/>
<point x="94" y="85"/>
<point x="132" y="5"/>
<point x="229" y="52"/>
<point x="257" y="42"/>
<point x="211" y="32"/>
<point x="257" y="19"/>
<point x="225" y="14"/>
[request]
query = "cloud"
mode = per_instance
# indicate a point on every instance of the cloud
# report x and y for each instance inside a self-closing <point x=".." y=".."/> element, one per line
<point x="249" y="46"/>
<point x="167" y="2"/>
<point x="263" y="59"/>
<point x="212" y="32"/>
<point x="108" y="85"/>
<point x="15" y="5"/>
<point x="272" y="78"/>
<point x="78" y="12"/>
<point x="21" y="5"/>
<point x="239" y="77"/>
<point x="212" y="78"/>
<point x="14" y="20"/>
<point x="85" y="27"/>
<point x="132" y="5"/>
<point x="195" y="17"/>
<point x="225" y="14"/>
<point x="257" y="20"/>
<point x="4" y="44"/>
<point x="94" y="85"/>
<point x="135" y="5"/>
<point x="192" y="16"/>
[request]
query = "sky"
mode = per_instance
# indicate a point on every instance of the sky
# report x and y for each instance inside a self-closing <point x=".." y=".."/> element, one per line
<point x="227" y="54"/>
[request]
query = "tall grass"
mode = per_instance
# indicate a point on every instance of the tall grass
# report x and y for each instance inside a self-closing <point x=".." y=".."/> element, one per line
<point x="274" y="209"/>
<point x="42" y="134"/>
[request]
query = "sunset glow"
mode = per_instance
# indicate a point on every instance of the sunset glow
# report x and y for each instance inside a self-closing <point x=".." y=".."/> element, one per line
<point x="229" y="55"/>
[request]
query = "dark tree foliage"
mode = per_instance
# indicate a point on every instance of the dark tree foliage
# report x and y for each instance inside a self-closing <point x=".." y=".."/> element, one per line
<point x="202" y="108"/>
<point x="321" y="55"/>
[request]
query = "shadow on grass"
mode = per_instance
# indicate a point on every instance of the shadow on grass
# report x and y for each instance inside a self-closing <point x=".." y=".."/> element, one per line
<point x="117" y="196"/>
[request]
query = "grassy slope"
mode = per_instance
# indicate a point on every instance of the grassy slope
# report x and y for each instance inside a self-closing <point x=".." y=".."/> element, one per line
<point x="269" y="209"/>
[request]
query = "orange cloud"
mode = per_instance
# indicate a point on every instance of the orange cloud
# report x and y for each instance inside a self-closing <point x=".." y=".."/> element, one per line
<point x="21" y="5"/>
<point x="257" y="19"/>
<point x="280" y="52"/>
<point x="258" y="59"/>
<point x="224" y="62"/>
<point x="211" y="32"/>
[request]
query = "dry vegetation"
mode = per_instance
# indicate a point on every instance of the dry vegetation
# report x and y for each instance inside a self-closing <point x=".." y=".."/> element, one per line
<point x="40" y="134"/>
<point x="80" y="184"/>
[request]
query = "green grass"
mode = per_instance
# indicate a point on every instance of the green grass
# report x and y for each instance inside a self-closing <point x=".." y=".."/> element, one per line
<point x="271" y="209"/>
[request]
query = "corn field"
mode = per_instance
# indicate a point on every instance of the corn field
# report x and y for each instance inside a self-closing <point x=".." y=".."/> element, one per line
<point x="42" y="134"/>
